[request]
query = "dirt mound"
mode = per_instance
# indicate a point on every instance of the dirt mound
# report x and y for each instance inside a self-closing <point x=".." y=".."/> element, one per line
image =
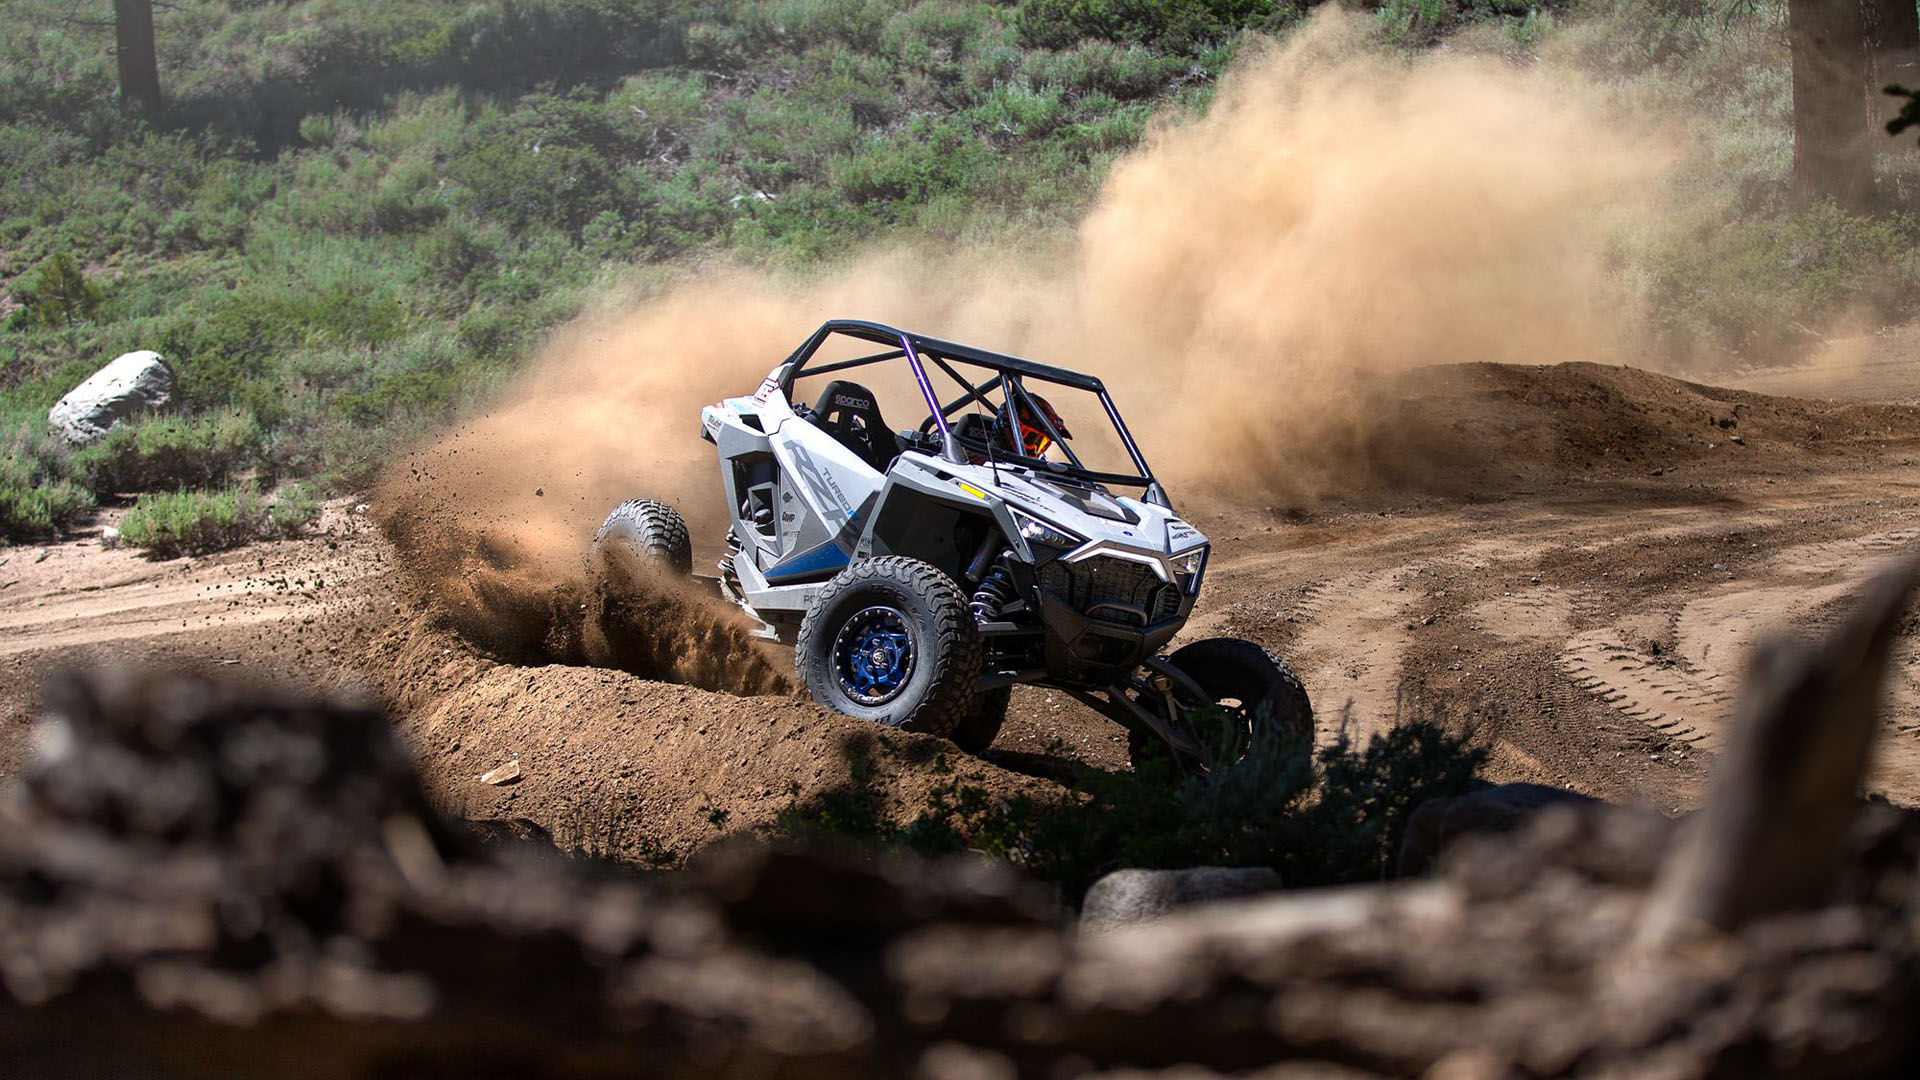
<point x="638" y="769"/>
<point x="1475" y="430"/>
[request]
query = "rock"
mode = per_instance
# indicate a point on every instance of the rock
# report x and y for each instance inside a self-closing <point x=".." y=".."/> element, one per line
<point x="1771" y="839"/>
<point x="109" y="538"/>
<point x="1132" y="896"/>
<point x="504" y="774"/>
<point x="132" y="384"/>
<point x="207" y="878"/>
<point x="1436" y="823"/>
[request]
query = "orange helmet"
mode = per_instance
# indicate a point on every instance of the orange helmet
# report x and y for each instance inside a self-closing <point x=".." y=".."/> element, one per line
<point x="1023" y="429"/>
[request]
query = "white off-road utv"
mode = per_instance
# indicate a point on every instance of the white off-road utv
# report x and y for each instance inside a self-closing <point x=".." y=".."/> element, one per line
<point x="1014" y="534"/>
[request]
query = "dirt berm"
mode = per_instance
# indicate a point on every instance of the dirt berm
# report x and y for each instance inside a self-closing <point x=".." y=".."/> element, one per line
<point x="639" y="769"/>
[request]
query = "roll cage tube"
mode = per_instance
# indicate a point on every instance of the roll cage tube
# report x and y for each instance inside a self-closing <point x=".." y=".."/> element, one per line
<point x="1009" y="373"/>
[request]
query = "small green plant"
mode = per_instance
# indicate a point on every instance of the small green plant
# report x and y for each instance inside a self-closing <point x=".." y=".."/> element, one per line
<point x="292" y="510"/>
<point x="170" y="524"/>
<point x="171" y="452"/>
<point x="40" y="489"/>
<point x="1175" y="25"/>
<point x="175" y="523"/>
<point x="59" y="295"/>
<point x="854" y="811"/>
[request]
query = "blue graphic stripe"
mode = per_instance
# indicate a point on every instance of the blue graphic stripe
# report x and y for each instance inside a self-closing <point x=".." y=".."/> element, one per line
<point x="826" y="558"/>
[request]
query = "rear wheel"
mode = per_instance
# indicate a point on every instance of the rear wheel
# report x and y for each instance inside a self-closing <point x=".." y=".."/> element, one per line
<point x="891" y="640"/>
<point x="977" y="730"/>
<point x="642" y="535"/>
<point x="1251" y="695"/>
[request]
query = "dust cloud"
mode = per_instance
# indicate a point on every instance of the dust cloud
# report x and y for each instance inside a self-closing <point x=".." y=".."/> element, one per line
<point x="1242" y="285"/>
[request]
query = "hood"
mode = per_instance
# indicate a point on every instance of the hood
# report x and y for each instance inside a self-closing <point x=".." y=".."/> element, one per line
<point x="1086" y="510"/>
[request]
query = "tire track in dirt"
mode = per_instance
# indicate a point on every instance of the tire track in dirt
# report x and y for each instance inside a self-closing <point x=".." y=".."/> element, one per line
<point x="1351" y="651"/>
<point x="1688" y="694"/>
<point x="1670" y="698"/>
<point x="171" y="604"/>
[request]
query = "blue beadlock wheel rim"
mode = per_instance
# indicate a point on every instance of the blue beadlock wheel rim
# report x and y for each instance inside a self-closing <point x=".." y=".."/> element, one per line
<point x="873" y="656"/>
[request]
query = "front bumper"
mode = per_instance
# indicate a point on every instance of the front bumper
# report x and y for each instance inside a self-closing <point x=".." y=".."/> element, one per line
<point x="1095" y="652"/>
<point x="1104" y="616"/>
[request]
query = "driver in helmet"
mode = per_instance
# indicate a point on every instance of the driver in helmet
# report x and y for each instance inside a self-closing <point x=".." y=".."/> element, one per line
<point x="1021" y="428"/>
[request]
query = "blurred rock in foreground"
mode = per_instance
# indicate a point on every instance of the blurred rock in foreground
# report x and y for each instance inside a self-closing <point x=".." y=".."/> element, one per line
<point x="199" y="879"/>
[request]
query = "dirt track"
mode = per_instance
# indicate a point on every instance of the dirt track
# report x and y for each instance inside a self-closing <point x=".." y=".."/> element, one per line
<point x="1588" y="611"/>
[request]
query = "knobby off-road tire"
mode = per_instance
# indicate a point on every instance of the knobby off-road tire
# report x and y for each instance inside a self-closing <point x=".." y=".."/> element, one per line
<point x="891" y="640"/>
<point x="641" y="535"/>
<point x="1263" y="696"/>
<point x="977" y="730"/>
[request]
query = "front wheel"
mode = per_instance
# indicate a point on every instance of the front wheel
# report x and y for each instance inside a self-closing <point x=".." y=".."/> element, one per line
<point x="1251" y="696"/>
<point x="891" y="640"/>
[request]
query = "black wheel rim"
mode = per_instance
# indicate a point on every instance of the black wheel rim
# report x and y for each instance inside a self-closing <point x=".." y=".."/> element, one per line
<point x="1222" y="725"/>
<point x="873" y="655"/>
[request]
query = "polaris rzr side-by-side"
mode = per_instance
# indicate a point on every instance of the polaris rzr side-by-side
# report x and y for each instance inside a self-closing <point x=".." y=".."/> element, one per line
<point x="1013" y="535"/>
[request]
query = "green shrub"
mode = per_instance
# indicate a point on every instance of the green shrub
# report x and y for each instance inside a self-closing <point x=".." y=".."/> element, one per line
<point x="1318" y="818"/>
<point x="552" y="161"/>
<point x="59" y="295"/>
<point x="40" y="492"/>
<point x="171" y="452"/>
<point x="174" y="523"/>
<point x="930" y="156"/>
<point x="1751" y="287"/>
<point x="293" y="509"/>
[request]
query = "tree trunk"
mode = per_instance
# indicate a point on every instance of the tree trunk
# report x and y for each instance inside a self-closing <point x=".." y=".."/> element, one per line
<point x="1832" y="152"/>
<point x="1893" y="51"/>
<point x="139" y="67"/>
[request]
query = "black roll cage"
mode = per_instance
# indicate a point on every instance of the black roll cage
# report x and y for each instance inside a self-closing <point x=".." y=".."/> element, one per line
<point x="1010" y="373"/>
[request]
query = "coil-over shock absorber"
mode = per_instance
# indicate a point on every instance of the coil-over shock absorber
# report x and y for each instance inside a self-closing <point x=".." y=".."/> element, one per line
<point x="995" y="591"/>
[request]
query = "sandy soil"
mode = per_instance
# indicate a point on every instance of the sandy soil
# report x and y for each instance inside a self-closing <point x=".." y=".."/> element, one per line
<point x="1582" y="592"/>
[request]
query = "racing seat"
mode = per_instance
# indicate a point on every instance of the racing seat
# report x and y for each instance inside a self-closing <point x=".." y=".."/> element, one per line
<point x="976" y="432"/>
<point x="850" y="413"/>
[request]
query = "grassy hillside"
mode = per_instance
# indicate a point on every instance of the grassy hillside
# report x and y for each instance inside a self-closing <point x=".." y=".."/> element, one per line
<point x="352" y="217"/>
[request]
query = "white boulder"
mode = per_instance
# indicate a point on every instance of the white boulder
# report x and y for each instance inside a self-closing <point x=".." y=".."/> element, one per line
<point x="132" y="384"/>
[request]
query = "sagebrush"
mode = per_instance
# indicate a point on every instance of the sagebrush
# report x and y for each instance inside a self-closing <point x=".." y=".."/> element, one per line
<point x="175" y="523"/>
<point x="1319" y="818"/>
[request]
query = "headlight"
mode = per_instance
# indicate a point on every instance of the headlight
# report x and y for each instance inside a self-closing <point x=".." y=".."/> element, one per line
<point x="1035" y="531"/>
<point x="1187" y="567"/>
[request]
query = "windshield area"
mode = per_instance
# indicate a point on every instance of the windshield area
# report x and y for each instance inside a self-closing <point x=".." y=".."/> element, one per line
<point x="1000" y="410"/>
<point x="1024" y="420"/>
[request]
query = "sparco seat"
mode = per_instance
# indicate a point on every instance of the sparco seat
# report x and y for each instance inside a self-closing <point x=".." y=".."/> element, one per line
<point x="850" y="413"/>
